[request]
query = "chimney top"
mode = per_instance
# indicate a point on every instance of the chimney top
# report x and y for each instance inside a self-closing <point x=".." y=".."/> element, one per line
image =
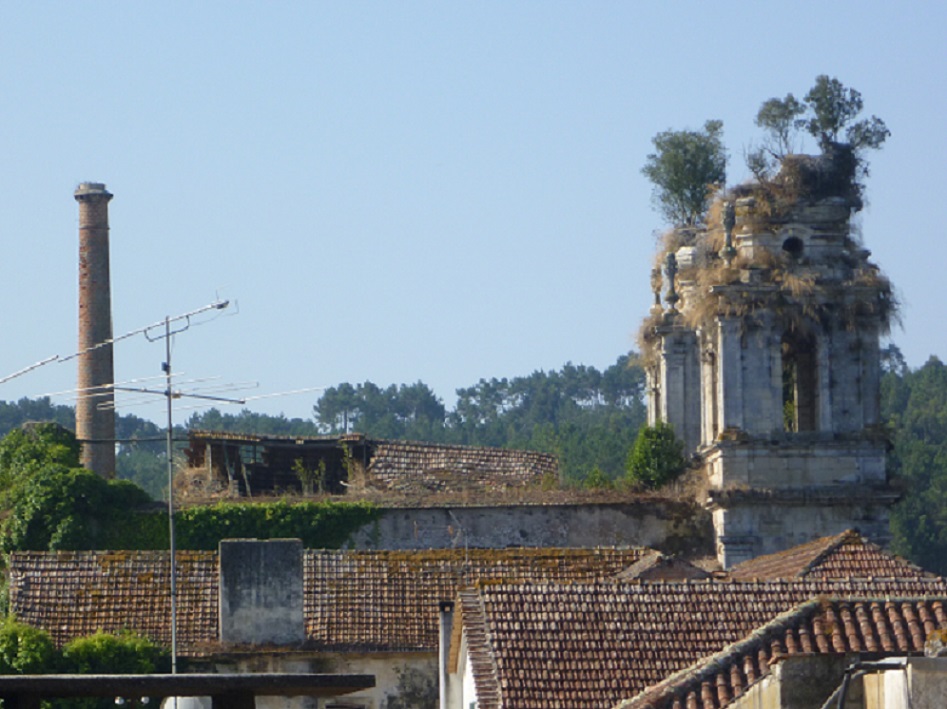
<point x="91" y="188"/>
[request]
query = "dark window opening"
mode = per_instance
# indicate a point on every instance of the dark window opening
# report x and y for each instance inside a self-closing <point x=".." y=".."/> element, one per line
<point x="800" y="384"/>
<point x="793" y="246"/>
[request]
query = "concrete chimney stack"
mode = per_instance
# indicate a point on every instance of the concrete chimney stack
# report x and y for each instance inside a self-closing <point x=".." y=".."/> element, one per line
<point x="95" y="415"/>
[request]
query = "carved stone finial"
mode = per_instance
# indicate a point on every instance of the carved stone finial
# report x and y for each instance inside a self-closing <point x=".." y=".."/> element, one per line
<point x="670" y="269"/>
<point x="729" y="220"/>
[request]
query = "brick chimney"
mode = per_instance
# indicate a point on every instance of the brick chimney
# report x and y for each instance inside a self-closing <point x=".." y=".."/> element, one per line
<point x="95" y="415"/>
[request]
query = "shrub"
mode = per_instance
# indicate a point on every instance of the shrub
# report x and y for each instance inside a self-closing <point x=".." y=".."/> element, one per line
<point x="657" y="456"/>
<point x="104" y="653"/>
<point x="25" y="650"/>
<point x="596" y="480"/>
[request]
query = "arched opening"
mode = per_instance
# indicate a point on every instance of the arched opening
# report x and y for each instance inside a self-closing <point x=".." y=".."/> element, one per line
<point x="800" y="383"/>
<point x="793" y="246"/>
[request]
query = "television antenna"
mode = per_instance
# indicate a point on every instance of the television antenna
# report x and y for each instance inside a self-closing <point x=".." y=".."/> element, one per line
<point x="163" y="330"/>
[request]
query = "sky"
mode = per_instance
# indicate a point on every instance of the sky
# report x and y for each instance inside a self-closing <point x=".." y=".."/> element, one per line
<point x="412" y="191"/>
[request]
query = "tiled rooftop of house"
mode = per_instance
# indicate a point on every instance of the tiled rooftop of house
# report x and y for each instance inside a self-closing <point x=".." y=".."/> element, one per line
<point x="594" y="645"/>
<point x="841" y="556"/>
<point x="388" y="599"/>
<point x="877" y="626"/>
<point x="382" y="600"/>
<point x="70" y="594"/>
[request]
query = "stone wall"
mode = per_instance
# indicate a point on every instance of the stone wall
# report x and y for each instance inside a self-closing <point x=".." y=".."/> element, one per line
<point x="659" y="524"/>
<point x="760" y="524"/>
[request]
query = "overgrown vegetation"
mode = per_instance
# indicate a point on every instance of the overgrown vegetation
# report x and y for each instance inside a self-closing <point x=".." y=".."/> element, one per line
<point x="50" y="503"/>
<point x="323" y="525"/>
<point x="828" y="113"/>
<point x="686" y="168"/>
<point x="781" y="282"/>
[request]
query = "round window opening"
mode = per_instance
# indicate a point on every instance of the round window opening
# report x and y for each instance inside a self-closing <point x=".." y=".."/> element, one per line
<point x="793" y="246"/>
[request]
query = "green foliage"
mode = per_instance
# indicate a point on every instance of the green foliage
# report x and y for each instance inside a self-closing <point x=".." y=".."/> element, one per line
<point x="778" y="117"/>
<point x="15" y="414"/>
<point x="104" y="653"/>
<point x="325" y="524"/>
<point x="25" y="650"/>
<point x="24" y="451"/>
<point x="51" y="506"/>
<point x="66" y="508"/>
<point x="250" y="422"/>
<point x="597" y="480"/>
<point x="123" y="654"/>
<point x="828" y="113"/>
<point x="311" y="479"/>
<point x="398" y="412"/>
<point x="686" y="168"/>
<point x="657" y="456"/>
<point x="914" y="404"/>
<point x="833" y="109"/>
<point x="50" y="502"/>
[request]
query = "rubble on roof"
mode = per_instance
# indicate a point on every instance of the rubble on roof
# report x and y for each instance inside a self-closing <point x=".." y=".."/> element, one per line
<point x="228" y="464"/>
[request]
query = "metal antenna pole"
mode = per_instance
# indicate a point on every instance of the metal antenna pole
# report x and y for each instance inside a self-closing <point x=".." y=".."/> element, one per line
<point x="173" y="548"/>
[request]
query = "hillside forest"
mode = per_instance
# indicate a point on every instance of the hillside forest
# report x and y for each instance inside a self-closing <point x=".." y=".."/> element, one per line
<point x="588" y="418"/>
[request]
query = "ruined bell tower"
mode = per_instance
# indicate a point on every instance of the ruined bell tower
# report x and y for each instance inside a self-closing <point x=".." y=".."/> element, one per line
<point x="95" y="414"/>
<point x="764" y="357"/>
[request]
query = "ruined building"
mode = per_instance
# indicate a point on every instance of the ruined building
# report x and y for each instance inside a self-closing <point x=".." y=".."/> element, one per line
<point x="95" y="410"/>
<point x="764" y="357"/>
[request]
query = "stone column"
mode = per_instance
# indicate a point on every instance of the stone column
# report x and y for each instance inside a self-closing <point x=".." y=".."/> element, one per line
<point x="730" y="373"/>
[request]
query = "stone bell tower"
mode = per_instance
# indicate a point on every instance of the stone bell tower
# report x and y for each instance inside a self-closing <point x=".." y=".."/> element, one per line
<point x="764" y="357"/>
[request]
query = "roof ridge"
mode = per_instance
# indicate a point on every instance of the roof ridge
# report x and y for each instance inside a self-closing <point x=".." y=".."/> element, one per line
<point x="833" y="543"/>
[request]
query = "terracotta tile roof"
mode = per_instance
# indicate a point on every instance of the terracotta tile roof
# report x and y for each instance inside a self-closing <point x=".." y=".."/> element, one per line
<point x="844" y="555"/>
<point x="387" y="600"/>
<point x="593" y="645"/>
<point x="364" y="600"/>
<point x="877" y="626"/>
<point x="655" y="566"/>
<point x="417" y="467"/>
<point x="71" y="594"/>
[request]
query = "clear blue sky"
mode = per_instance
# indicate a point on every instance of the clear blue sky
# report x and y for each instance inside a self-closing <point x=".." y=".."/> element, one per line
<point x="434" y="191"/>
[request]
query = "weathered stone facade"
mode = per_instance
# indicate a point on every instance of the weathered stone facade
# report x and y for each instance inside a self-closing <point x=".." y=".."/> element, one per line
<point x="765" y="360"/>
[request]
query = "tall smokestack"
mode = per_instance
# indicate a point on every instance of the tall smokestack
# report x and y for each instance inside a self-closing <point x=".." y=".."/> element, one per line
<point x="95" y="414"/>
